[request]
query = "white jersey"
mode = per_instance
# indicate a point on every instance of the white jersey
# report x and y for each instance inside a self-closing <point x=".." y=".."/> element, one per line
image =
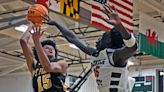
<point x="110" y="79"/>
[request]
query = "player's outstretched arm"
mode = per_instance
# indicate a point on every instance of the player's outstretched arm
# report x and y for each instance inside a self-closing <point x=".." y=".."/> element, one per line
<point x="72" y="38"/>
<point x="56" y="67"/>
<point x="121" y="55"/>
<point x="24" y="40"/>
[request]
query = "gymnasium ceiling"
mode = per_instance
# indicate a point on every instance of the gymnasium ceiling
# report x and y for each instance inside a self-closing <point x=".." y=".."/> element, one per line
<point x="13" y="13"/>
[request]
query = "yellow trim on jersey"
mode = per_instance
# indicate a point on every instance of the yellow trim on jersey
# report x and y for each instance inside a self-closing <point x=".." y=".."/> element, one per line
<point x="64" y="87"/>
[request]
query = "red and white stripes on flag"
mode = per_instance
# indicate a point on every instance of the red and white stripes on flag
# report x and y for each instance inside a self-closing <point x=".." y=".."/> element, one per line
<point x="124" y="9"/>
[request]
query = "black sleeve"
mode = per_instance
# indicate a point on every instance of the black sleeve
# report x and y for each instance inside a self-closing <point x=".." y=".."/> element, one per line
<point x="72" y="38"/>
<point x="121" y="55"/>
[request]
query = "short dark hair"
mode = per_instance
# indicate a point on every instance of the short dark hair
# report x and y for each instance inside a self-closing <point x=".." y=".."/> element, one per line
<point x="117" y="39"/>
<point x="111" y="39"/>
<point x="43" y="43"/>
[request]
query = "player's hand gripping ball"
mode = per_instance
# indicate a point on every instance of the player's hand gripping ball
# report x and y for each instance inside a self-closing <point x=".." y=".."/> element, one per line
<point x="37" y="14"/>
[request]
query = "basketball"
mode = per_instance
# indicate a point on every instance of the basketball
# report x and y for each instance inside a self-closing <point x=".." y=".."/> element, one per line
<point x="37" y="14"/>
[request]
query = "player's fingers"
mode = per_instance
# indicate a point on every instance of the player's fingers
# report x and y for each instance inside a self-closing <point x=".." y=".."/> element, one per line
<point x="42" y="32"/>
<point x="106" y="9"/>
<point x="109" y="8"/>
<point x="114" y="9"/>
<point x="39" y="29"/>
<point x="34" y="28"/>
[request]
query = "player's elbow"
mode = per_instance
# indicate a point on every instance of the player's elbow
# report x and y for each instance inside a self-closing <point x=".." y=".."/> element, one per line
<point x="61" y="70"/>
<point x="58" y="67"/>
<point x="63" y="67"/>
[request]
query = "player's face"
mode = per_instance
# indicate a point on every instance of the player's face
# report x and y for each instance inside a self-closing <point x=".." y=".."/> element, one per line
<point x="98" y="44"/>
<point x="103" y="42"/>
<point x="49" y="50"/>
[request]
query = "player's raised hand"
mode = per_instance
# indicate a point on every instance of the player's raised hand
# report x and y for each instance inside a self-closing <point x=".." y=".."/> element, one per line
<point x="111" y="12"/>
<point x="36" y="32"/>
<point x="49" y="21"/>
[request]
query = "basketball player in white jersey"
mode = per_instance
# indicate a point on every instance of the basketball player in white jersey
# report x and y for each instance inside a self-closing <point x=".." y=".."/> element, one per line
<point x="109" y="58"/>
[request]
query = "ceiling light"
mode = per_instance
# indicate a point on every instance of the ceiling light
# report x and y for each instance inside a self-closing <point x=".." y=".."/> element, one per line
<point x="21" y="28"/>
<point x="73" y="46"/>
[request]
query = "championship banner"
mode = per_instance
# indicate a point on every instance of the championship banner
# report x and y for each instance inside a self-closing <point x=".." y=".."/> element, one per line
<point x="69" y="8"/>
<point x="151" y="33"/>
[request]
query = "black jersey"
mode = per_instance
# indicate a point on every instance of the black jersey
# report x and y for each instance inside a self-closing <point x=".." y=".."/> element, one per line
<point x="47" y="82"/>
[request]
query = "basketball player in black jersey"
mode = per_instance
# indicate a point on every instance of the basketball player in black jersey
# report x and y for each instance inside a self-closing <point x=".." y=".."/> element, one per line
<point x="46" y="69"/>
<point x="109" y="58"/>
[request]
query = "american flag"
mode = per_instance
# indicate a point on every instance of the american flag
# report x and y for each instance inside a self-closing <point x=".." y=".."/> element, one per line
<point x="124" y="9"/>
